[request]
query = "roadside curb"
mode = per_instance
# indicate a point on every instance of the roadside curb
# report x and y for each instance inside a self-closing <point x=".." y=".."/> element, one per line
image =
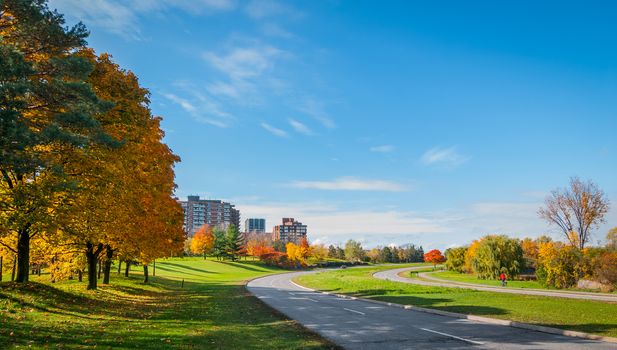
<point x="489" y="320"/>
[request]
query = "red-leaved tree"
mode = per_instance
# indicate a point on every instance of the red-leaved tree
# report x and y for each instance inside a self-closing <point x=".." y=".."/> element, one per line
<point x="435" y="257"/>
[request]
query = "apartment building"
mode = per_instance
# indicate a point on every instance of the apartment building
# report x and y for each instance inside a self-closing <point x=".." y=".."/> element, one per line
<point x="290" y="231"/>
<point x="256" y="225"/>
<point x="216" y="213"/>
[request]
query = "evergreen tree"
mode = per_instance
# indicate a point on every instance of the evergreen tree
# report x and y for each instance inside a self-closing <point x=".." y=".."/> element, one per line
<point x="234" y="242"/>
<point x="220" y="243"/>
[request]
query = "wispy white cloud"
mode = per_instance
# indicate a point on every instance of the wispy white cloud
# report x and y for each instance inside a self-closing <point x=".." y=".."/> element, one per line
<point x="382" y="149"/>
<point x="244" y="62"/>
<point x="199" y="106"/>
<point x="350" y="184"/>
<point x="448" y="157"/>
<point x="246" y="71"/>
<point x="274" y="130"/>
<point x="300" y="127"/>
<point x="315" y="109"/>
<point x="122" y="17"/>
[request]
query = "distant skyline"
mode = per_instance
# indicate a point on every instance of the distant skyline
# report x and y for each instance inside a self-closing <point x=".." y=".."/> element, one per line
<point x="395" y="122"/>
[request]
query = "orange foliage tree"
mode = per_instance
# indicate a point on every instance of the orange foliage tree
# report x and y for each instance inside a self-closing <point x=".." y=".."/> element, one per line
<point x="435" y="257"/>
<point x="203" y="240"/>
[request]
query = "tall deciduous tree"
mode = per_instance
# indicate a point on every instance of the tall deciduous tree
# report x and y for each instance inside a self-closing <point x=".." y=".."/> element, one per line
<point x="576" y="210"/>
<point x="47" y="107"/>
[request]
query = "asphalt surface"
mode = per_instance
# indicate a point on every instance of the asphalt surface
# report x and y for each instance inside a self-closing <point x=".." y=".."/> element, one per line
<point x="393" y="275"/>
<point x="360" y="324"/>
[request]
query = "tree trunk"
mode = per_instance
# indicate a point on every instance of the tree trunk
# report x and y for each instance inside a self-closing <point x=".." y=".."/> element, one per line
<point x="127" y="269"/>
<point x="92" y="255"/>
<point x="23" y="254"/>
<point x="100" y="267"/>
<point x="79" y="275"/>
<point x="109" y="253"/>
<point x="154" y="269"/>
<point x="14" y="268"/>
<point x="119" y="266"/>
<point x="0" y="269"/>
<point x="145" y="273"/>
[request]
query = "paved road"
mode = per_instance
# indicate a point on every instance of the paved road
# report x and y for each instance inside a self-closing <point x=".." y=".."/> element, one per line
<point x="359" y="324"/>
<point x="393" y="275"/>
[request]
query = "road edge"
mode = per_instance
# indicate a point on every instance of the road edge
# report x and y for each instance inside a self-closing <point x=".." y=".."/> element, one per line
<point x="489" y="320"/>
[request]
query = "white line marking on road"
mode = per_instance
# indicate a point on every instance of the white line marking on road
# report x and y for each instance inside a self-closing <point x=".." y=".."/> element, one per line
<point x="453" y="336"/>
<point x="313" y="300"/>
<point x="358" y="312"/>
<point x="299" y="286"/>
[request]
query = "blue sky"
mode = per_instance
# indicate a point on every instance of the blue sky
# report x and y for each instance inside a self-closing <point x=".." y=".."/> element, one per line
<point x="427" y="122"/>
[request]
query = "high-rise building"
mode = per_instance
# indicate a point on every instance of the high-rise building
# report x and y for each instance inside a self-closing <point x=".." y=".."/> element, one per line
<point x="255" y="225"/>
<point x="198" y="212"/>
<point x="290" y="231"/>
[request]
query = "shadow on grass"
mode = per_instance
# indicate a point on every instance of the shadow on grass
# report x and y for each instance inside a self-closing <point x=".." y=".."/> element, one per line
<point x="181" y="266"/>
<point x="124" y="315"/>
<point x="243" y="265"/>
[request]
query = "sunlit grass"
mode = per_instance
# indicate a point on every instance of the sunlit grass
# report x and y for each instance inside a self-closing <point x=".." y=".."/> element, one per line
<point x="212" y="311"/>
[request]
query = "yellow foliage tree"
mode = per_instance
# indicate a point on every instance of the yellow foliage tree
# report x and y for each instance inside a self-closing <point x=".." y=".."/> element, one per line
<point x="203" y="240"/>
<point x="470" y="254"/>
<point x="294" y="253"/>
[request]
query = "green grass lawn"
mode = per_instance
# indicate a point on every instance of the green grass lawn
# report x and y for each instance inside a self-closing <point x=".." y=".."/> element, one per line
<point x="212" y="311"/>
<point x="586" y="316"/>
<point x="469" y="278"/>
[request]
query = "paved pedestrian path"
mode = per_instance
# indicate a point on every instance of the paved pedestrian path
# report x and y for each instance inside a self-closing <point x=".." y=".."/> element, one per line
<point x="426" y="279"/>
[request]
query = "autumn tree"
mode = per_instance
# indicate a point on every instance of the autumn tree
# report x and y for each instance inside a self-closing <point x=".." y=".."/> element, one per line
<point x="455" y="259"/>
<point x="354" y="251"/>
<point x="258" y="244"/>
<point x="294" y="253"/>
<point x="496" y="254"/>
<point x="576" y="210"/>
<point x="319" y="252"/>
<point x="305" y="248"/>
<point x="435" y="257"/>
<point x="203" y="240"/>
<point x="46" y="107"/>
<point x="559" y="265"/>
<point x="611" y="239"/>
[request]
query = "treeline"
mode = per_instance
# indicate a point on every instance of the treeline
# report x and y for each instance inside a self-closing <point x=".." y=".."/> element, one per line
<point x="576" y="210"/>
<point x="552" y="263"/>
<point x="86" y="178"/>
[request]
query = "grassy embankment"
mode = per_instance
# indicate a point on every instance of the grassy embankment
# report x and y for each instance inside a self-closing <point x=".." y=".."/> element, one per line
<point x="579" y="315"/>
<point x="212" y="311"/>
<point x="468" y="278"/>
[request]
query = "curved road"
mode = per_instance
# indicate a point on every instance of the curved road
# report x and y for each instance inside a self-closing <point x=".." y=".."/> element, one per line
<point x="358" y="324"/>
<point x="393" y="275"/>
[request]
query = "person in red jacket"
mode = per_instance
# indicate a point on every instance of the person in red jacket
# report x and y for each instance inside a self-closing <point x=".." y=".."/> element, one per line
<point x="502" y="278"/>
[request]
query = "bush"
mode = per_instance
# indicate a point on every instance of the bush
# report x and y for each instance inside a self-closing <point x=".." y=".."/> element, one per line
<point x="605" y="268"/>
<point x="455" y="259"/>
<point x="498" y="254"/>
<point x="559" y="266"/>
